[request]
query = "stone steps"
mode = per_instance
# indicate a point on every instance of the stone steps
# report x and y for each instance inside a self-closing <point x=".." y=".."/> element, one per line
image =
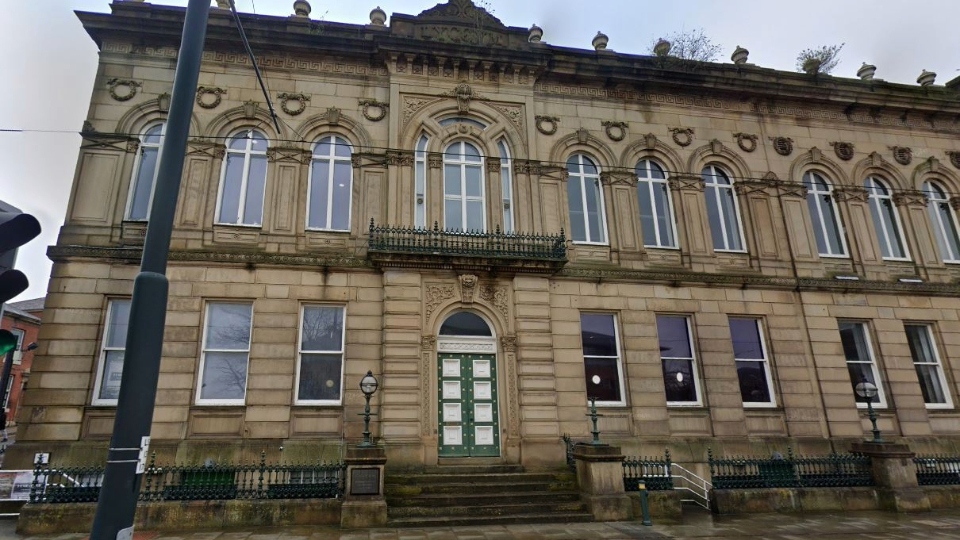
<point x="465" y="494"/>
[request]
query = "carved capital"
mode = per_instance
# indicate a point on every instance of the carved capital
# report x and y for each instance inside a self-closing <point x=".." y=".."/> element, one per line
<point x="509" y="343"/>
<point x="400" y="157"/>
<point x="523" y="166"/>
<point x="434" y="160"/>
<point x="493" y="165"/>
<point x="428" y="343"/>
<point x="133" y="145"/>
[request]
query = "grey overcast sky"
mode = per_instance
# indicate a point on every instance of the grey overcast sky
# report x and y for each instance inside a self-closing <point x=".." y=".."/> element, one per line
<point x="50" y="63"/>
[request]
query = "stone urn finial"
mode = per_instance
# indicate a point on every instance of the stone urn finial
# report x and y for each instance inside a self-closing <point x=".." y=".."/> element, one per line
<point x="926" y="78"/>
<point x="662" y="48"/>
<point x="535" y="35"/>
<point x="740" y="56"/>
<point x="811" y="66"/>
<point x="301" y="8"/>
<point x="223" y="4"/>
<point x="600" y="41"/>
<point x="378" y="17"/>
<point x="866" y="72"/>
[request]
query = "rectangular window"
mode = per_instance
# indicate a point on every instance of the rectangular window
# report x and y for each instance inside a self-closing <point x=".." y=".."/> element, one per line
<point x="107" y="386"/>
<point x="19" y="334"/>
<point x="679" y="360"/>
<point x="601" y="358"/>
<point x="753" y="369"/>
<point x="860" y="362"/>
<point x="933" y="384"/>
<point x="226" y="354"/>
<point x="320" y="366"/>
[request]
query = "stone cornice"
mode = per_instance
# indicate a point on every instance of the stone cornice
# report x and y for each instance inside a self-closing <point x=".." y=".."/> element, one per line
<point x="127" y="254"/>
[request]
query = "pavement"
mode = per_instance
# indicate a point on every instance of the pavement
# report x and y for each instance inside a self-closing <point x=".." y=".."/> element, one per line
<point x="822" y="526"/>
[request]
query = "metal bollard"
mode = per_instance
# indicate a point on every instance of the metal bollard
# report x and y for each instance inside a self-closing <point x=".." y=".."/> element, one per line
<point x="644" y="503"/>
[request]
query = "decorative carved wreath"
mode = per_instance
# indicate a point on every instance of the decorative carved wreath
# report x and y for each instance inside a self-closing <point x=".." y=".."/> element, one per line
<point x="547" y="124"/>
<point x="380" y="107"/>
<point x="286" y="98"/>
<point x="123" y="89"/>
<point x="902" y="154"/>
<point x="206" y="103"/>
<point x="782" y="145"/>
<point x="682" y="136"/>
<point x="954" y="158"/>
<point x="746" y="141"/>
<point x="844" y="150"/>
<point x="617" y="131"/>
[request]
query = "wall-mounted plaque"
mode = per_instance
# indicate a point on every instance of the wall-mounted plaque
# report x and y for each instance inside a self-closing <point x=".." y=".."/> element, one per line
<point x="365" y="481"/>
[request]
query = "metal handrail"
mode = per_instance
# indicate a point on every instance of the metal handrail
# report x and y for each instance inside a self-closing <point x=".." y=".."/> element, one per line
<point x="697" y="486"/>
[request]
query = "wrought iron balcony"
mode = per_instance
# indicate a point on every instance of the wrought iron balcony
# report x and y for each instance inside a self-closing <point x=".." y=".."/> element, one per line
<point x="417" y="247"/>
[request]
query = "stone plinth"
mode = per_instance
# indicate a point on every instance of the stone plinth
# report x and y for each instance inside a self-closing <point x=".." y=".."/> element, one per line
<point x="363" y="501"/>
<point x="600" y="478"/>
<point x="895" y="475"/>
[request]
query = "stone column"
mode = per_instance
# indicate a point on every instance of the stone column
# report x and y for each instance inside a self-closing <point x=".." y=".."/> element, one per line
<point x="895" y="475"/>
<point x="363" y="503"/>
<point x="600" y="478"/>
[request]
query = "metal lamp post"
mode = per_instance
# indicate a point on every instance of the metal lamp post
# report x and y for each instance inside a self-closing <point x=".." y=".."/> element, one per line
<point x="368" y="385"/>
<point x="593" y="413"/>
<point x="868" y="391"/>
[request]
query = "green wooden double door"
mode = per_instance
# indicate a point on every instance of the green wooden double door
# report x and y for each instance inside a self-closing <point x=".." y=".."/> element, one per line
<point x="469" y="424"/>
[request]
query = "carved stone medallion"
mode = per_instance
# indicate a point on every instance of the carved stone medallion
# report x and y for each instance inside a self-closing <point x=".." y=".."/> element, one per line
<point x="844" y="150"/>
<point x="123" y="89"/>
<point x="547" y="124"/>
<point x="746" y="141"/>
<point x="682" y="136"/>
<point x="782" y="145"/>
<point x="208" y="97"/>
<point x="902" y="154"/>
<point x="374" y="110"/>
<point x="293" y="104"/>
<point x="617" y="131"/>
<point x="468" y="284"/>
<point x="954" y="158"/>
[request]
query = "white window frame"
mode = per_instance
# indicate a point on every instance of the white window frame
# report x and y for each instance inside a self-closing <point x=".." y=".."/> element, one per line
<point x="138" y="160"/>
<point x="420" y="171"/>
<point x="102" y="357"/>
<point x="459" y="159"/>
<point x="715" y="172"/>
<point x="203" y="357"/>
<point x="21" y="335"/>
<point x="6" y="396"/>
<point x="818" y="220"/>
<point x="583" y="178"/>
<point x="868" y="339"/>
<point x="301" y="352"/>
<point x="618" y="358"/>
<point x="332" y="159"/>
<point x="879" y="194"/>
<point x="937" y="363"/>
<point x="693" y="364"/>
<point x="940" y="228"/>
<point x="247" y="154"/>
<point x="652" y="184"/>
<point x="766" y="366"/>
<point x="506" y="181"/>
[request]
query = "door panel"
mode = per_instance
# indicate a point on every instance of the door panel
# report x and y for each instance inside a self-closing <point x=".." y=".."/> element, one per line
<point x="468" y="412"/>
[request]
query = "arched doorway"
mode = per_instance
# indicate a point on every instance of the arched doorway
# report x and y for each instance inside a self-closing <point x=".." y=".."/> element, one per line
<point x="468" y="408"/>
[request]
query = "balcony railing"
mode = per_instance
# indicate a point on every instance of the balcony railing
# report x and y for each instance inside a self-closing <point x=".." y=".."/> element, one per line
<point x="833" y="470"/>
<point x="436" y="247"/>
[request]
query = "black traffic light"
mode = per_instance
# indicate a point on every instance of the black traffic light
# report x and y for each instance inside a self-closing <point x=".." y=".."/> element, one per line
<point x="16" y="229"/>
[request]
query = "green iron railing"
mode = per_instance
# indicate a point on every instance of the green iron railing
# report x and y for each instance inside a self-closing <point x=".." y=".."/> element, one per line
<point x="437" y="241"/>
<point x="937" y="470"/>
<point x="654" y="472"/>
<point x="212" y="481"/>
<point x="568" y="444"/>
<point x="833" y="470"/>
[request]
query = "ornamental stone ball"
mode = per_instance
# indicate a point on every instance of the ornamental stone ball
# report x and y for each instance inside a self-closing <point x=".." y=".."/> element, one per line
<point x="740" y="55"/>
<point x="536" y="34"/>
<point x="378" y="17"/>
<point x="600" y="41"/>
<point x="926" y="78"/>
<point x="301" y="8"/>
<point x="662" y="48"/>
<point x="866" y="72"/>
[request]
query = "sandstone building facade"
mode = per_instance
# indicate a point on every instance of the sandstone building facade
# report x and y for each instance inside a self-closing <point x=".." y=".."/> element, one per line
<point x="726" y="248"/>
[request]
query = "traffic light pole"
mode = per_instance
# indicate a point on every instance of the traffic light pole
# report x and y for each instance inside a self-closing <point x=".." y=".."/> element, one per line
<point x="141" y="367"/>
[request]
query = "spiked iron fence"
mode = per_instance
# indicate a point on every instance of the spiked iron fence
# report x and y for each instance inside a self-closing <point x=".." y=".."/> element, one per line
<point x="833" y="470"/>
<point x="212" y="481"/>
<point x="937" y="470"/>
<point x="437" y="241"/>
<point x="654" y="472"/>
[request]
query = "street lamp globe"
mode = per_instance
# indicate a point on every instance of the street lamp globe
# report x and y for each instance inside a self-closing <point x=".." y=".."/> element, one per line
<point x="866" y="390"/>
<point x="369" y="384"/>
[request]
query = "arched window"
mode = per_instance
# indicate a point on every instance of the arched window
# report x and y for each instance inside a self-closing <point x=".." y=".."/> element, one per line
<point x="420" y="179"/>
<point x="463" y="190"/>
<point x="886" y="221"/>
<point x="464" y="323"/>
<point x="656" y="209"/>
<point x="145" y="173"/>
<point x="944" y="221"/>
<point x="723" y="212"/>
<point x="330" y="185"/>
<point x="587" y="220"/>
<point x="243" y="180"/>
<point x="823" y="212"/>
<point x="506" y="176"/>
